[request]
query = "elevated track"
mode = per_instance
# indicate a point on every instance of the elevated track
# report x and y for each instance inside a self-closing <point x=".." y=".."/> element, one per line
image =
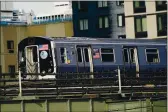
<point x="125" y="87"/>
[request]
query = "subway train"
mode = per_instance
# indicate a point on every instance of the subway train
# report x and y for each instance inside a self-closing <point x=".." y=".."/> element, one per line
<point x="52" y="55"/>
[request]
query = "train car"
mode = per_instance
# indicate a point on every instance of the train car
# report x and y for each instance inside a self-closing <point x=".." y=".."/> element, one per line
<point x="48" y="55"/>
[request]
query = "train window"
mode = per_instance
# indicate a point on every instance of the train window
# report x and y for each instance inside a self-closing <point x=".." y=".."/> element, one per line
<point x="63" y="55"/>
<point x="79" y="54"/>
<point x="86" y="55"/>
<point x="126" y="55"/>
<point x="152" y="55"/>
<point x="132" y="55"/>
<point x="107" y="55"/>
<point x="35" y="54"/>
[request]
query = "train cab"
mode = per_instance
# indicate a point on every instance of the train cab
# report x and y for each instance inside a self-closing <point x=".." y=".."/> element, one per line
<point x="36" y="55"/>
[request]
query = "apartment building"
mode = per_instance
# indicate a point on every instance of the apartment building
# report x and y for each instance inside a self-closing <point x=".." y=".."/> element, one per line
<point x="145" y="19"/>
<point x="99" y="19"/>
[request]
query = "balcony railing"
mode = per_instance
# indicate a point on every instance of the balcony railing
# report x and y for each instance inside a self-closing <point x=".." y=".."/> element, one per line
<point x="51" y="20"/>
<point x="16" y="21"/>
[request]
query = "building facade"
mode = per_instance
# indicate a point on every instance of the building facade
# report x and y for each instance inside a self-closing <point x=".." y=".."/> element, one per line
<point x="146" y="19"/>
<point x="98" y="19"/>
<point x="61" y="11"/>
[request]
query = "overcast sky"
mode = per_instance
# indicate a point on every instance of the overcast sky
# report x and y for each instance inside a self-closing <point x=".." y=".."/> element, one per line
<point x="37" y="7"/>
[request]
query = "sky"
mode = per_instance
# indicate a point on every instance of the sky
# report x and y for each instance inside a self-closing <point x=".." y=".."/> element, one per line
<point x="37" y="7"/>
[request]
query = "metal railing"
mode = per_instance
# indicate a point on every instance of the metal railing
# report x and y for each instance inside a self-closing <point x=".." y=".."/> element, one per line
<point x="115" y="82"/>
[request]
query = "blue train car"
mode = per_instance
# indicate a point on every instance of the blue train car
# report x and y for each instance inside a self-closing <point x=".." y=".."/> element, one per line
<point x="79" y="54"/>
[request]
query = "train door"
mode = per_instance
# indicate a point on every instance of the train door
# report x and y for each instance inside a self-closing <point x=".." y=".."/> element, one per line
<point x="32" y="59"/>
<point x="131" y="62"/>
<point x="84" y="59"/>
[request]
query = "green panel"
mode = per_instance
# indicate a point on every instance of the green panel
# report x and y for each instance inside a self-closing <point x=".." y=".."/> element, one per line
<point x="160" y="106"/>
<point x="57" y="106"/>
<point x="10" y="107"/>
<point x="99" y="106"/>
<point x="118" y="107"/>
<point x="77" y="106"/>
<point x="35" y="107"/>
<point x="133" y="106"/>
<point x="144" y="106"/>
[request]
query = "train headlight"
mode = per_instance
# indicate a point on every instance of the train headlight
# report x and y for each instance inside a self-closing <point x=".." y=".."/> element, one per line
<point x="43" y="72"/>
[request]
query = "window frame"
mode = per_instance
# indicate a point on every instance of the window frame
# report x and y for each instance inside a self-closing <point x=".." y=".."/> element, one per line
<point x="84" y="28"/>
<point x="10" y="50"/>
<point x="65" y="51"/>
<point x="102" y="2"/>
<point x="139" y="9"/>
<point x="130" y="56"/>
<point x="103" y="22"/>
<point x="123" y="20"/>
<point x="157" y="54"/>
<point x="11" y="66"/>
<point x="81" y="55"/>
<point x="160" y="7"/>
<point x="87" y="55"/>
<point x="82" y="8"/>
<point x="12" y="73"/>
<point x="127" y="55"/>
<point x="120" y="4"/>
<point x="142" y="33"/>
<point x="108" y="53"/>
<point x="122" y="36"/>
<point x="161" y="32"/>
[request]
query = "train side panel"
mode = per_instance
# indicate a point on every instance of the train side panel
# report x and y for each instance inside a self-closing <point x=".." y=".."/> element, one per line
<point x="155" y="65"/>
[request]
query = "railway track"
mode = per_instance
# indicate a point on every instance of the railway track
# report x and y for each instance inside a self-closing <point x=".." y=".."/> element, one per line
<point x="84" y="86"/>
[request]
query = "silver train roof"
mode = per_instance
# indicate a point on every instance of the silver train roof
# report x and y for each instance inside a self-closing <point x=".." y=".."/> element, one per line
<point x="162" y="41"/>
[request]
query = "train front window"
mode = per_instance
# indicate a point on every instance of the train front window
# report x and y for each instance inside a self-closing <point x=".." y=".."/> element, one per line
<point x="35" y="54"/>
<point x="152" y="55"/>
<point x="107" y="55"/>
<point x="63" y="55"/>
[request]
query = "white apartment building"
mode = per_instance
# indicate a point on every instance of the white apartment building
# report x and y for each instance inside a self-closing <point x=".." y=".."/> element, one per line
<point x="61" y="10"/>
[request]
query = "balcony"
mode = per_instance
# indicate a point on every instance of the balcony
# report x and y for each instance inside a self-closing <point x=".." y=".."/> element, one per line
<point x="44" y="21"/>
<point x="11" y="20"/>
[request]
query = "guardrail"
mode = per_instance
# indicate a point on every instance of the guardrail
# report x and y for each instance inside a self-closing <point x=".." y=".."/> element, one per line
<point x="81" y="83"/>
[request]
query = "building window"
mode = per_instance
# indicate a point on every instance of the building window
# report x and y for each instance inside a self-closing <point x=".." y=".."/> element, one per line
<point x="120" y="3"/>
<point x="82" y="5"/>
<point x="120" y="20"/>
<point x="107" y="55"/>
<point x="121" y="36"/>
<point x="139" y="6"/>
<point x="152" y="55"/>
<point x="102" y="4"/>
<point x="63" y="55"/>
<point x="10" y="46"/>
<point x="162" y="24"/>
<point x="83" y="24"/>
<point x="11" y="69"/>
<point x="103" y="22"/>
<point x="161" y="5"/>
<point x="140" y="26"/>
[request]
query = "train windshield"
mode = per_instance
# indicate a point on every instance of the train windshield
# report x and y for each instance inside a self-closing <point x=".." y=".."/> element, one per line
<point x="32" y="62"/>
